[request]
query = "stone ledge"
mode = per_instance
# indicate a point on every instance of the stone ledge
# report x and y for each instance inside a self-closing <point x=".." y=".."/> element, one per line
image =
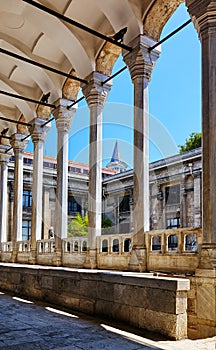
<point x="139" y="299"/>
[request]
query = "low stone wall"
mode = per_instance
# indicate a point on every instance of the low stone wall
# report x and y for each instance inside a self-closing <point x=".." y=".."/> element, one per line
<point x="154" y="303"/>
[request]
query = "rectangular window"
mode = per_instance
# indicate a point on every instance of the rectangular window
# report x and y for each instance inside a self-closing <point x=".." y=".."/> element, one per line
<point x="73" y="206"/>
<point x="26" y="230"/>
<point x="172" y="195"/>
<point x="173" y="223"/>
<point x="27" y="198"/>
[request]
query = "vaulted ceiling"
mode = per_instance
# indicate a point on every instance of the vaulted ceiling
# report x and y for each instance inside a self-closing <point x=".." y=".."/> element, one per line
<point x="34" y="34"/>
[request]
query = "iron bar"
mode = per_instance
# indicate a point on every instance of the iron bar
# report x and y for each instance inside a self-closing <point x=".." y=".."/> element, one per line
<point x="26" y="99"/>
<point x="14" y="121"/>
<point x="114" y="75"/>
<point x="75" y="102"/>
<point x="51" y="69"/>
<point x="77" y="24"/>
<point x="8" y="149"/>
<point x="47" y="122"/>
<point x="26" y="137"/>
<point x="5" y="137"/>
<point x="169" y="35"/>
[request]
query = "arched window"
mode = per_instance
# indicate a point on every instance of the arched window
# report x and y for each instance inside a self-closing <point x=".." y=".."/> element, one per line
<point x="172" y="242"/>
<point x="115" y="246"/>
<point x="76" y="246"/>
<point x="156" y="243"/>
<point x="84" y="246"/>
<point x="190" y="242"/>
<point x="67" y="246"/>
<point x="127" y="245"/>
<point x="105" y="246"/>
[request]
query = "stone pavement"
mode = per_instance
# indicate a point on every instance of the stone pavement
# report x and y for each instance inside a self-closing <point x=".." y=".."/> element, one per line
<point x="26" y="325"/>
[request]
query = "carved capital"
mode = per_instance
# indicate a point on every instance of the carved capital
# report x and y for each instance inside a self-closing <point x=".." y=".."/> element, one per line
<point x="140" y="61"/>
<point x="4" y="157"/>
<point x="18" y="144"/>
<point x="203" y="14"/>
<point x="94" y="92"/>
<point x="64" y="115"/>
<point x="38" y="133"/>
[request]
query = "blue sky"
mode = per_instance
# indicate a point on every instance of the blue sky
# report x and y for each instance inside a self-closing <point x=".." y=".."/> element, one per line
<point x="174" y="102"/>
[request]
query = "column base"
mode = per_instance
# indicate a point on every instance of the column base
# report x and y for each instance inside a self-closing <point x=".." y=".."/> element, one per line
<point x="91" y="259"/>
<point x="33" y="257"/>
<point x="14" y="254"/>
<point x="57" y="258"/>
<point x="202" y="318"/>
<point x="138" y="259"/>
<point x="208" y="257"/>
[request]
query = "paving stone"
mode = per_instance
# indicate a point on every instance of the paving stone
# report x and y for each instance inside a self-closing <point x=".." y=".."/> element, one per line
<point x="33" y="327"/>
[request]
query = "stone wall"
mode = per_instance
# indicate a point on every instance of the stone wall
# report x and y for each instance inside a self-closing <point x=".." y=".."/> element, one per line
<point x="142" y="300"/>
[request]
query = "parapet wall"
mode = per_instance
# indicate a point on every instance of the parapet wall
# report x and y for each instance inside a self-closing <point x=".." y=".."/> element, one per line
<point x="150" y="302"/>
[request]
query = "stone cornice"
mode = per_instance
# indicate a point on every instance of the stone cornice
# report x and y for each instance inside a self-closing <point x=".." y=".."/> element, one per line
<point x="94" y="92"/>
<point x="140" y="61"/>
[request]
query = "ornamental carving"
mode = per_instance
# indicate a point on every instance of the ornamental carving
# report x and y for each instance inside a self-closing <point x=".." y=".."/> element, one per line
<point x="107" y="58"/>
<point x="22" y="129"/>
<point x="157" y="17"/>
<point x="71" y="88"/>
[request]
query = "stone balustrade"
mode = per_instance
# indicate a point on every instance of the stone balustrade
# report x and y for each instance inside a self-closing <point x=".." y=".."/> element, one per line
<point x="175" y="250"/>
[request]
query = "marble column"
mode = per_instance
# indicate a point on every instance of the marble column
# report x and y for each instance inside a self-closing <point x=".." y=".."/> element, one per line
<point x="95" y="95"/>
<point x="63" y="118"/>
<point x="197" y="200"/>
<point x="203" y="13"/>
<point x="140" y="63"/>
<point x="4" y="159"/>
<point x="19" y="147"/>
<point x="38" y="135"/>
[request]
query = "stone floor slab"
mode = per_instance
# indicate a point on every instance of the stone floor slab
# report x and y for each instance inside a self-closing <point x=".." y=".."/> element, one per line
<point x="38" y="326"/>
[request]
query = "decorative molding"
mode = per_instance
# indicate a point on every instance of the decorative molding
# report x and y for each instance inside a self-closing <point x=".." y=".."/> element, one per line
<point x="157" y="17"/>
<point x="107" y="58"/>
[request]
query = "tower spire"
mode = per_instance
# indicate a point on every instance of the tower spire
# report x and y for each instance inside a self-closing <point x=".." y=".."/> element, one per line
<point x="115" y="162"/>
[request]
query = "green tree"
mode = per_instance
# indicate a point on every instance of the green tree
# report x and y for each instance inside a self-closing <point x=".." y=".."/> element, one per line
<point x="194" y="141"/>
<point x="78" y="226"/>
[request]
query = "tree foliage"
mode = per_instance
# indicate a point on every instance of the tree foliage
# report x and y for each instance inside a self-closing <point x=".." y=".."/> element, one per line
<point x="193" y="141"/>
<point x="79" y="226"/>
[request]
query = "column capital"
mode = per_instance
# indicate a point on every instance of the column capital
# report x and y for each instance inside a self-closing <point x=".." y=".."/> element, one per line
<point x="63" y="114"/>
<point x="94" y="92"/>
<point x="4" y="157"/>
<point x="38" y="133"/>
<point x="203" y="13"/>
<point x="18" y="144"/>
<point x="140" y="61"/>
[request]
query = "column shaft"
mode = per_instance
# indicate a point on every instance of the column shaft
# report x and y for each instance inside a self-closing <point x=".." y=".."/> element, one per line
<point x="95" y="175"/>
<point x="96" y="95"/>
<point x="140" y="63"/>
<point x="19" y="147"/>
<point x="63" y="118"/>
<point x="4" y="159"/>
<point x="38" y="135"/>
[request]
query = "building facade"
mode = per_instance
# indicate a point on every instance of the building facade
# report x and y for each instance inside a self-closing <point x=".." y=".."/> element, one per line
<point x="175" y="194"/>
